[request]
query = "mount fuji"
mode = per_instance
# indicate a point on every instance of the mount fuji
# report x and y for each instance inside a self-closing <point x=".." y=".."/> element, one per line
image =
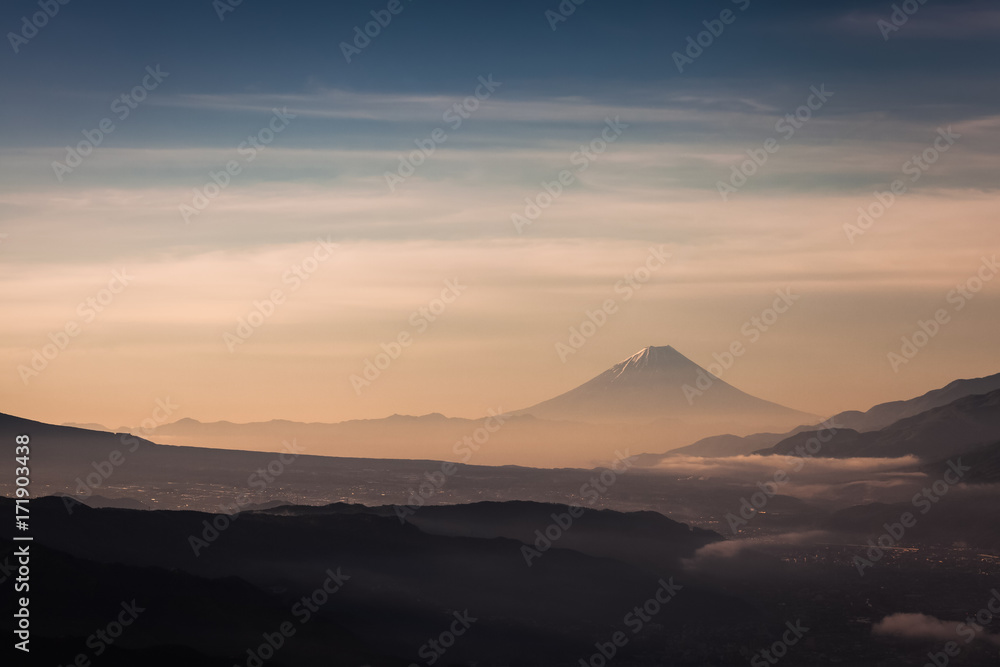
<point x="660" y="383"/>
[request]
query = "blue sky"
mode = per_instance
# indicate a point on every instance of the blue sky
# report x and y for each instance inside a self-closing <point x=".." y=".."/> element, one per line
<point x="619" y="55"/>
<point x="323" y="176"/>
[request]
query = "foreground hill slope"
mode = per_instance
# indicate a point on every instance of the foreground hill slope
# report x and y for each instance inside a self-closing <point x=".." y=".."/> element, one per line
<point x="400" y="585"/>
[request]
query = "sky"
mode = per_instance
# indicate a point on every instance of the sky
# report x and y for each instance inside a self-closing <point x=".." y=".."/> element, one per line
<point x="280" y="199"/>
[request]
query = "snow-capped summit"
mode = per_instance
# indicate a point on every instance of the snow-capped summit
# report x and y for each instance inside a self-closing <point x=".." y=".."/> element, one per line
<point x="660" y="382"/>
<point x="652" y="359"/>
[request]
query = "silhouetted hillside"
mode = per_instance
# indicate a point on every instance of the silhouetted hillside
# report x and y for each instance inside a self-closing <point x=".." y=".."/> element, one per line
<point x="885" y="414"/>
<point x="400" y="578"/>
<point x="645" y="539"/>
<point x="961" y="426"/>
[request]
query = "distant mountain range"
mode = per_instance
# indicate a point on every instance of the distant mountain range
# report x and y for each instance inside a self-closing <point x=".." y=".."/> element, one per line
<point x="661" y="383"/>
<point x="639" y="403"/>
<point x="875" y="419"/>
<point x="247" y="570"/>
<point x="213" y="602"/>
<point x="884" y="414"/>
<point x="504" y="440"/>
<point x="730" y="445"/>
<point x="964" y="425"/>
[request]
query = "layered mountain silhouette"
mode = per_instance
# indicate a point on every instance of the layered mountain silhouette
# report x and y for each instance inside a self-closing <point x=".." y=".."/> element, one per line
<point x="212" y="586"/>
<point x="661" y="383"/>
<point x="513" y="439"/>
<point x="725" y="445"/>
<point x="874" y="419"/>
<point x="985" y="464"/>
<point x="642" y="402"/>
<point x="399" y="585"/>
<point x="639" y="404"/>
<point x="79" y="463"/>
<point x="963" y="426"/>
<point x="884" y="414"/>
<point x="644" y="539"/>
<point x="964" y="519"/>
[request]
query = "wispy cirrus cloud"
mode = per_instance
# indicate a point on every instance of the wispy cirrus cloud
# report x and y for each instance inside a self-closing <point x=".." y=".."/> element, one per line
<point x="931" y="22"/>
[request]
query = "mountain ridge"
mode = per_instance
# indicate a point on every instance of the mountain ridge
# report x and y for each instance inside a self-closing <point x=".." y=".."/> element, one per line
<point x="962" y="426"/>
<point x="875" y="418"/>
<point x="659" y="382"/>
